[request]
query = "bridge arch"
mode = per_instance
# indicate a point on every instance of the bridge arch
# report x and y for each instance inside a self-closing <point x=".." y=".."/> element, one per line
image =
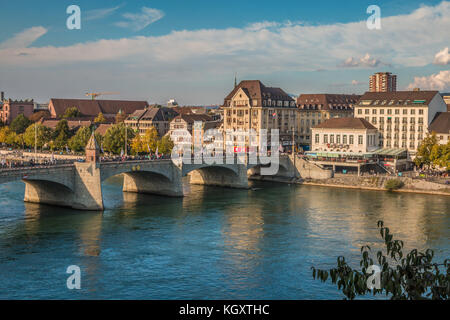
<point x="223" y="175"/>
<point x="48" y="192"/>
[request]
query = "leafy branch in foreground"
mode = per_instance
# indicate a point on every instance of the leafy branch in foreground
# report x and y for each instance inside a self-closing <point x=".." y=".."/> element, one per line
<point x="412" y="277"/>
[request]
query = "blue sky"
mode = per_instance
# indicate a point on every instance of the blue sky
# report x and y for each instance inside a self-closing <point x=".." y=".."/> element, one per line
<point x="190" y="50"/>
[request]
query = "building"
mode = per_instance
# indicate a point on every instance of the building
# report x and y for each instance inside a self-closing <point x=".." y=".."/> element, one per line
<point x="349" y="135"/>
<point x="441" y="126"/>
<point x="157" y="117"/>
<point x="252" y="105"/>
<point x="316" y="108"/>
<point x="446" y="97"/>
<point x="402" y="117"/>
<point x="184" y="129"/>
<point x="109" y="108"/>
<point x="10" y="109"/>
<point x="383" y="82"/>
<point x="73" y="124"/>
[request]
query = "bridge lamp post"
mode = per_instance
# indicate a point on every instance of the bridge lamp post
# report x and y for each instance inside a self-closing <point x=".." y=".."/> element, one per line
<point x="35" y="142"/>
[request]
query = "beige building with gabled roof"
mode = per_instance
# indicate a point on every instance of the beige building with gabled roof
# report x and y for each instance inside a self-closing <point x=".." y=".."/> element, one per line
<point x="252" y="105"/>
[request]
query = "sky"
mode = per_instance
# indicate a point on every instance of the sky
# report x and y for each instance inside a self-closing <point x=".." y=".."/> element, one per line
<point x="191" y="50"/>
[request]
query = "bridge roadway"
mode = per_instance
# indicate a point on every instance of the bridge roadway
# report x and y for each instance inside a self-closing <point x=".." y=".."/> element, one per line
<point x="79" y="185"/>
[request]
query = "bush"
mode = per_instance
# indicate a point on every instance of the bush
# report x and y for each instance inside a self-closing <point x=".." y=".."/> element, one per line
<point x="393" y="184"/>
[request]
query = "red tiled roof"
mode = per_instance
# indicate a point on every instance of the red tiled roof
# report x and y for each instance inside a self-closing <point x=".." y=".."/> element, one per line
<point x="345" y="123"/>
<point x="255" y="89"/>
<point x="93" y="107"/>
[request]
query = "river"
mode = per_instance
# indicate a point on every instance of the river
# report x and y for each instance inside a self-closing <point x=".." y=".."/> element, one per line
<point x="214" y="243"/>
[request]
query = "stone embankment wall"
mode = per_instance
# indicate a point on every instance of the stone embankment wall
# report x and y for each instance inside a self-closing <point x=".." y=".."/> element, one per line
<point x="378" y="182"/>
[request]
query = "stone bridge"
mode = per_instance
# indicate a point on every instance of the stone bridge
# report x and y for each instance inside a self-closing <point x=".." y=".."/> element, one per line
<point x="79" y="185"/>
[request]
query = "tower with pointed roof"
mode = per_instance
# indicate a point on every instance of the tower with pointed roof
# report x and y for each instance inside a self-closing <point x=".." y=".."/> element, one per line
<point x="92" y="150"/>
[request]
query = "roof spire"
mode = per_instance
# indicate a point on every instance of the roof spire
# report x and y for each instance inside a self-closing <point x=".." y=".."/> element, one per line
<point x="235" y="79"/>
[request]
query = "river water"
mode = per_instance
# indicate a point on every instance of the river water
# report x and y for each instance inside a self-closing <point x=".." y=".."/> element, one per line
<point x="214" y="243"/>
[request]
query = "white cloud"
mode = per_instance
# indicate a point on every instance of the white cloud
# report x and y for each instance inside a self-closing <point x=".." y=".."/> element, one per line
<point x="188" y="57"/>
<point x="442" y="57"/>
<point x="24" y="38"/>
<point x="439" y="81"/>
<point x="357" y="83"/>
<point x="366" y="61"/>
<point x="139" y="21"/>
<point x="97" y="14"/>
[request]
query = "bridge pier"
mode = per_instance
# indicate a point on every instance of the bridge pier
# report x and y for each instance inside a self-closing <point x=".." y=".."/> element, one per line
<point x="46" y="192"/>
<point x="152" y="183"/>
<point x="87" y="187"/>
<point x="220" y="177"/>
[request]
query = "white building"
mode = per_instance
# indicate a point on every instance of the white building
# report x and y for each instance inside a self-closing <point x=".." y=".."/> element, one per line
<point x="345" y="135"/>
<point x="403" y="117"/>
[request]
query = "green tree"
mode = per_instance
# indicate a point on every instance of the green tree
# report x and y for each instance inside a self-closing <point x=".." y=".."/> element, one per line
<point x="423" y="156"/>
<point x="72" y="112"/>
<point x="4" y="133"/>
<point x="100" y="118"/>
<point x="61" y="135"/>
<point x="44" y="135"/>
<point x="136" y="145"/>
<point x="150" y="139"/>
<point x="165" y="145"/>
<point x="411" y="277"/>
<point x="20" y="124"/>
<point x="114" y="139"/>
<point x="79" y="141"/>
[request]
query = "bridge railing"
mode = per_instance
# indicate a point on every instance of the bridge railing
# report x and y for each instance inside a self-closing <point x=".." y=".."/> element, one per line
<point x="36" y="168"/>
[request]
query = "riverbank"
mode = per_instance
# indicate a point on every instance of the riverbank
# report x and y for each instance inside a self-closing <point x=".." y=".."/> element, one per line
<point x="373" y="183"/>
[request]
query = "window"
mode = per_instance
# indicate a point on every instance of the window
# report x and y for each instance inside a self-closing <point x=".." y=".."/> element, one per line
<point x="366" y="111"/>
<point x="374" y="111"/>
<point x="338" y="138"/>
<point x="325" y="138"/>
<point x="316" y="139"/>
<point x="331" y="138"/>
<point x="360" y="139"/>
<point x="359" y="111"/>
<point x="344" y="139"/>
<point x="421" y="111"/>
<point x="389" y="111"/>
<point x="351" y="139"/>
<point x="381" y="111"/>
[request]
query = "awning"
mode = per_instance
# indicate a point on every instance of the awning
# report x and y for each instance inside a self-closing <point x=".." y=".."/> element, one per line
<point x="395" y="152"/>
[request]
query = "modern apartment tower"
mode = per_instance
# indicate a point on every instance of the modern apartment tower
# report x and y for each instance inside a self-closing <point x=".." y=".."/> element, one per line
<point x="383" y="82"/>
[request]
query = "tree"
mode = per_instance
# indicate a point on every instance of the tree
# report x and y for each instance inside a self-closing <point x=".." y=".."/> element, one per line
<point x="394" y="184"/>
<point x="100" y="118"/>
<point x="150" y="139"/>
<point x="72" y="112"/>
<point x="423" y="156"/>
<point x="79" y="141"/>
<point x="136" y="145"/>
<point x="114" y="139"/>
<point x="165" y="145"/>
<point x="61" y="135"/>
<point x="20" y="124"/>
<point x="411" y="277"/>
<point x="4" y="133"/>
<point x="44" y="135"/>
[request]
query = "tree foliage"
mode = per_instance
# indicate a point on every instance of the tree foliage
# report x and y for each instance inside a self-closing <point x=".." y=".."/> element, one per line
<point x="44" y="135"/>
<point x="411" y="277"/>
<point x="165" y="145"/>
<point x="431" y="153"/>
<point x="79" y="141"/>
<point x="71" y="112"/>
<point x="100" y="118"/>
<point x="114" y="139"/>
<point x="394" y="184"/>
<point x="20" y="124"/>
